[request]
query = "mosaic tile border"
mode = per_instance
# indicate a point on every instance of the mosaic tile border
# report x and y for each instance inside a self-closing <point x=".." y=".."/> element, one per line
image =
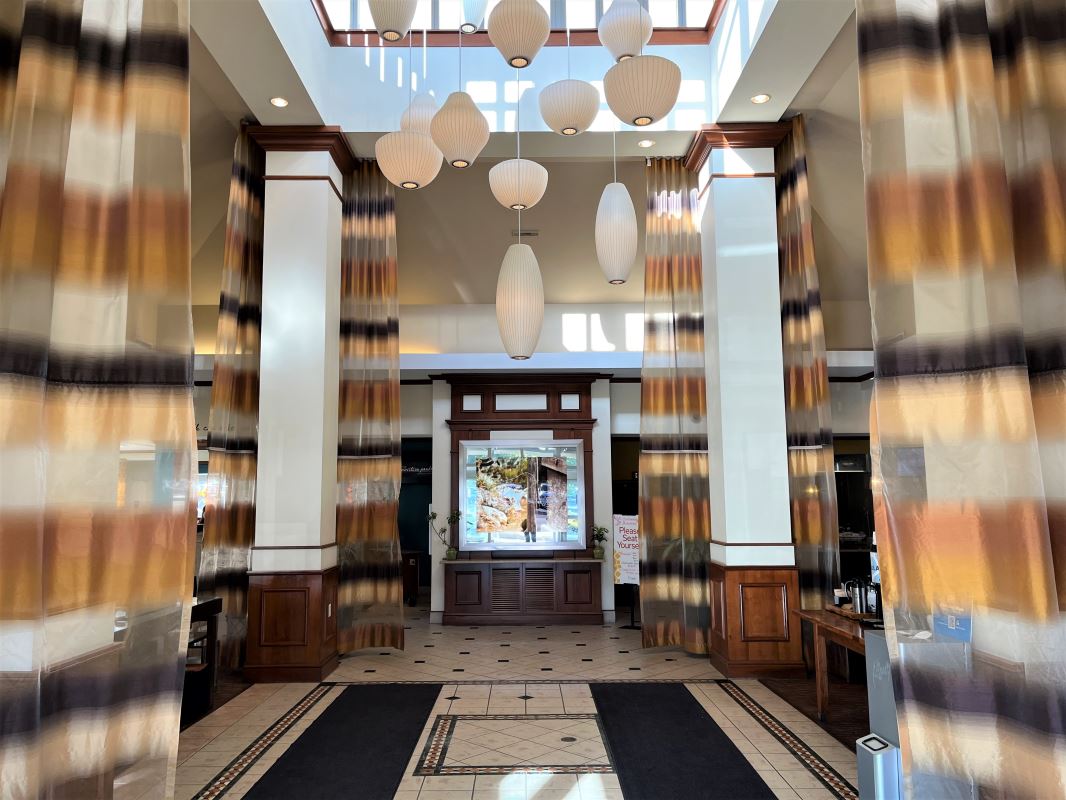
<point x="532" y="681"/>
<point x="815" y="764"/>
<point x="433" y="755"/>
<point x="233" y="771"/>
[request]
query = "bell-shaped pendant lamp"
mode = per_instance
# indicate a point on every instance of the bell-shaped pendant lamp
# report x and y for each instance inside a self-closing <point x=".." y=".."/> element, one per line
<point x="409" y="159"/>
<point x="520" y="302"/>
<point x="518" y="29"/>
<point x="569" y="106"/>
<point x="625" y="28"/>
<point x="473" y="15"/>
<point x="616" y="233"/>
<point x="643" y="89"/>
<point x="392" y="18"/>
<point x="460" y="130"/>
<point x="518" y="183"/>
<point x="419" y="115"/>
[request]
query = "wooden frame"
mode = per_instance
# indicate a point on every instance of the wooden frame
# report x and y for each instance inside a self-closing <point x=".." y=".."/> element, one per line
<point x="734" y="135"/>
<point x="578" y="37"/>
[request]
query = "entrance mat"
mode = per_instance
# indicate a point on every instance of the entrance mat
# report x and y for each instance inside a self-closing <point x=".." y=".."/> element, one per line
<point x="663" y="744"/>
<point x="358" y="747"/>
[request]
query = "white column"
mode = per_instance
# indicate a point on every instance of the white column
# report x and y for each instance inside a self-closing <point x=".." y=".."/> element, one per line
<point x="443" y="500"/>
<point x="745" y="381"/>
<point x="602" y="486"/>
<point x="296" y="493"/>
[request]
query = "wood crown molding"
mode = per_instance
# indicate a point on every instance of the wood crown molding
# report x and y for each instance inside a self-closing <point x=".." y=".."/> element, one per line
<point x="306" y="138"/>
<point x="734" y="135"/>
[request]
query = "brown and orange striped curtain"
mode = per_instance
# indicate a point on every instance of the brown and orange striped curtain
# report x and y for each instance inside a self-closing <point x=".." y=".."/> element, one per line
<point x="964" y="130"/>
<point x="97" y="435"/>
<point x="808" y="424"/>
<point x="370" y="589"/>
<point x="229" y="515"/>
<point x="675" y="511"/>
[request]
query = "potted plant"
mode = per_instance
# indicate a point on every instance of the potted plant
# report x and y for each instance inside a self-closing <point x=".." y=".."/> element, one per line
<point x="441" y="533"/>
<point x="599" y="536"/>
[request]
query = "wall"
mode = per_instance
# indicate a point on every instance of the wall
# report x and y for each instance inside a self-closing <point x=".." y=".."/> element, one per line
<point x="851" y="407"/>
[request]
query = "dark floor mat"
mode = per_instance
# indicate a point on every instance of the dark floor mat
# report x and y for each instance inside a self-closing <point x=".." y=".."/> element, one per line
<point x="847" y="717"/>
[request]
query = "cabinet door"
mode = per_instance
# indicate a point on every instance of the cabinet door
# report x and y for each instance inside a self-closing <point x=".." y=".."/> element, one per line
<point x="577" y="587"/>
<point x="466" y="588"/>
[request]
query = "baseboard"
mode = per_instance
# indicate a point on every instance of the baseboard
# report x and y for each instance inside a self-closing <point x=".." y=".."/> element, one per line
<point x="524" y="619"/>
<point x="749" y="669"/>
<point x="270" y="673"/>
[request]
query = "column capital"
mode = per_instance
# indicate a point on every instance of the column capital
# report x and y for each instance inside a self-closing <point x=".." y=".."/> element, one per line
<point x="306" y="139"/>
<point x="734" y="135"/>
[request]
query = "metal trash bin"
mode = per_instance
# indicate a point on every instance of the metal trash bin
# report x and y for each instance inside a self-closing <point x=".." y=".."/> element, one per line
<point x="880" y="769"/>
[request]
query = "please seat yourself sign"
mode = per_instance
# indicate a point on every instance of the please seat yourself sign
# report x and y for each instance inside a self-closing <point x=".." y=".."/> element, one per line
<point x="626" y="549"/>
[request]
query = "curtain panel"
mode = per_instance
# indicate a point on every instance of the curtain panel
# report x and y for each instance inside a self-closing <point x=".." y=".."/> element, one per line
<point x="229" y="515"/>
<point x="964" y="123"/>
<point x="370" y="588"/>
<point x="97" y="435"/>
<point x="675" y="512"/>
<point x="808" y="424"/>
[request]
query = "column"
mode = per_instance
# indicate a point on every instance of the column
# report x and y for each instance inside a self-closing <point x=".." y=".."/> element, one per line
<point x="754" y="582"/>
<point x="292" y="586"/>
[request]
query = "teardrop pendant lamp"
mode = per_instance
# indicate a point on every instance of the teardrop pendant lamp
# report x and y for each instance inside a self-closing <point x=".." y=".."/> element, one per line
<point x="419" y="114"/>
<point x="518" y="29"/>
<point x="569" y="106"/>
<point x="642" y="90"/>
<point x="625" y="28"/>
<point x="392" y="18"/>
<point x="616" y="230"/>
<point x="473" y="15"/>
<point x="459" y="129"/>
<point x="520" y="302"/>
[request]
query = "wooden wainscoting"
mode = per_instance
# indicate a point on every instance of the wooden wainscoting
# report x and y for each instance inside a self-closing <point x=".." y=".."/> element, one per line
<point x="752" y="629"/>
<point x="292" y="626"/>
<point x="534" y="592"/>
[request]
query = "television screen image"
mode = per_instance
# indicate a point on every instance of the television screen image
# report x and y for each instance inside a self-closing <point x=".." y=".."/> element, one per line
<point x="522" y="495"/>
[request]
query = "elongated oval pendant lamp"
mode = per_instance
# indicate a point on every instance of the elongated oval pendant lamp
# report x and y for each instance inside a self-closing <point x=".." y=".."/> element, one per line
<point x="419" y="115"/>
<point x="392" y="18"/>
<point x="625" y="28"/>
<point x="473" y="15"/>
<point x="408" y="159"/>
<point x="520" y="302"/>
<point x="643" y="89"/>
<point x="518" y="29"/>
<point x="518" y="183"/>
<point x="616" y="233"/>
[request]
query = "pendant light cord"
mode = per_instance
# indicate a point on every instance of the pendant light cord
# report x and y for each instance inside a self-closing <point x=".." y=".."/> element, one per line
<point x="460" y="59"/>
<point x="410" y="67"/>
<point x="568" y="50"/>
<point x="614" y="151"/>
<point x="518" y="139"/>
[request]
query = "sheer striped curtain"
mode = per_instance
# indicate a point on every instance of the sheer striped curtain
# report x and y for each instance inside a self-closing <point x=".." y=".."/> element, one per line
<point x="370" y="590"/>
<point x="808" y="423"/>
<point x="229" y="516"/>
<point x="97" y="435"/>
<point x="675" y="511"/>
<point x="964" y="130"/>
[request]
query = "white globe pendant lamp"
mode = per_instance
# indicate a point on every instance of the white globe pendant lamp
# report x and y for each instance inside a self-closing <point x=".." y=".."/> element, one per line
<point x="518" y="29"/>
<point x="473" y="15"/>
<point x="625" y="28"/>
<point x="642" y="90"/>
<point x="518" y="183"/>
<point x="408" y="159"/>
<point x="460" y="130"/>
<point x="520" y="302"/>
<point x="419" y="115"/>
<point x="392" y="18"/>
<point x="616" y="233"/>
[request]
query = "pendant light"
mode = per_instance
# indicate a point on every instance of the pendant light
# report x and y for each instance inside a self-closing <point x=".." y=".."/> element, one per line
<point x="473" y="15"/>
<point x="570" y="106"/>
<point x="392" y="18"/>
<point x="616" y="229"/>
<point x="518" y="29"/>
<point x="625" y="28"/>
<point x="520" y="301"/>
<point x="518" y="183"/>
<point x="459" y="129"/>
<point x="642" y="90"/>
<point x="408" y="158"/>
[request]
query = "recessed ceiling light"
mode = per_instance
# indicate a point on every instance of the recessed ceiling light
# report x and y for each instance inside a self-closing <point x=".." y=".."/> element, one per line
<point x="279" y="102"/>
<point x="646" y="143"/>
<point x="759" y="99"/>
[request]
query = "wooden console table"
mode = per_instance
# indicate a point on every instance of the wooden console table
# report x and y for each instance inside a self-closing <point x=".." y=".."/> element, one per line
<point x="830" y="627"/>
<point x="512" y="591"/>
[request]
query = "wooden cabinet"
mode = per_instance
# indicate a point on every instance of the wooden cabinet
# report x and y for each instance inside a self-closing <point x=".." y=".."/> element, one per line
<point x="534" y="591"/>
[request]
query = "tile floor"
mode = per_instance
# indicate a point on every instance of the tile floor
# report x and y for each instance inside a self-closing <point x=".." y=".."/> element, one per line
<point x="543" y="739"/>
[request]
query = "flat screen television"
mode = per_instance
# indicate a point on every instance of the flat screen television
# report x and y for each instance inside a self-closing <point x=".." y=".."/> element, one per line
<point x="522" y="495"/>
